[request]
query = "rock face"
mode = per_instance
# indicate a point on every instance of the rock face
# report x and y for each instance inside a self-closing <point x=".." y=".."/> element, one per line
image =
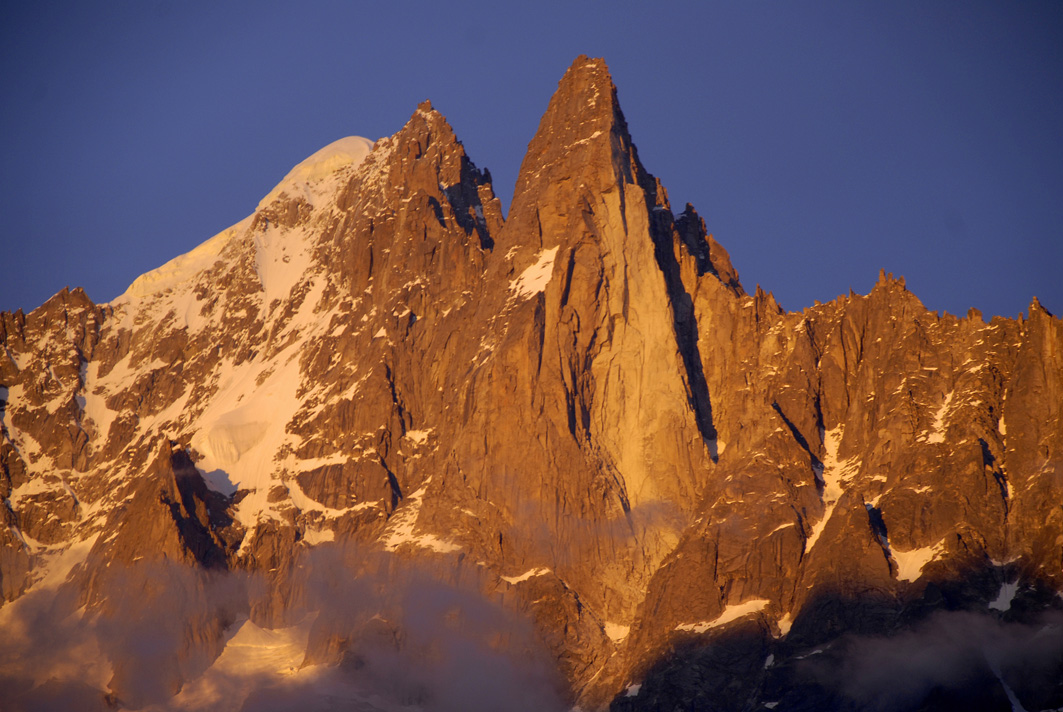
<point x="376" y="418"/>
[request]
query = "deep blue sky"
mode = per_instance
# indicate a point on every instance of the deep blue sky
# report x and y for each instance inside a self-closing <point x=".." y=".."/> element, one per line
<point x="821" y="141"/>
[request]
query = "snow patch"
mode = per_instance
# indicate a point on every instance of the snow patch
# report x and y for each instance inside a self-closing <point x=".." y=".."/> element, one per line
<point x="785" y="623"/>
<point x="730" y="613"/>
<point x="403" y="524"/>
<point x="313" y="537"/>
<point x="94" y="402"/>
<point x="937" y="431"/>
<point x="306" y="464"/>
<point x="593" y="136"/>
<point x="534" y="279"/>
<point x="1005" y="596"/>
<point x="282" y="257"/>
<point x="779" y="528"/>
<point x="44" y="482"/>
<point x="836" y="474"/>
<point x="55" y="565"/>
<point x="305" y="504"/>
<point x="615" y="631"/>
<point x="233" y="434"/>
<point x="530" y="573"/>
<point x="244" y="426"/>
<point x="419" y="437"/>
<point x="910" y="563"/>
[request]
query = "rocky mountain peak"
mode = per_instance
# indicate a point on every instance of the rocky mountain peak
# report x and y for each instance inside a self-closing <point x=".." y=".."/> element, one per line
<point x="585" y="103"/>
<point x="374" y="422"/>
<point x="1037" y="307"/>
<point x="582" y="132"/>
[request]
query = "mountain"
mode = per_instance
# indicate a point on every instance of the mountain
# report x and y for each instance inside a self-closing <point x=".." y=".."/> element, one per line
<point x="378" y="447"/>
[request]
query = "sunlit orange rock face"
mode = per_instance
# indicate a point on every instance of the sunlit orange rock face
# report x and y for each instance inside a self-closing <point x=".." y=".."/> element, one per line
<point x="378" y="444"/>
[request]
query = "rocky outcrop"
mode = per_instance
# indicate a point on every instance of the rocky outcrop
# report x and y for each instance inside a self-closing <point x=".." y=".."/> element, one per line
<point x="376" y="387"/>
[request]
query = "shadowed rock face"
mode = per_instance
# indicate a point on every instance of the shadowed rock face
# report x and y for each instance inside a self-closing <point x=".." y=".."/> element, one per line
<point x="573" y="427"/>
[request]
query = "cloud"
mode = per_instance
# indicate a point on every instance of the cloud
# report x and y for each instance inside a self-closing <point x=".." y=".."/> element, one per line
<point x="950" y="655"/>
<point x="44" y="641"/>
<point x="412" y="637"/>
<point x="163" y="622"/>
<point x="386" y="633"/>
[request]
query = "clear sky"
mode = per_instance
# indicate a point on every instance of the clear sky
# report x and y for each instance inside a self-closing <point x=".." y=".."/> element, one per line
<point x="820" y="141"/>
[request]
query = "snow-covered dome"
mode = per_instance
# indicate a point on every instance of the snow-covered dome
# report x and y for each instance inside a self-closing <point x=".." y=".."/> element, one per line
<point x="348" y="151"/>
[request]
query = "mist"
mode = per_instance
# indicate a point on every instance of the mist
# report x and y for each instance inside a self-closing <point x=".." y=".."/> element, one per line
<point x="950" y="655"/>
<point x="380" y="634"/>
